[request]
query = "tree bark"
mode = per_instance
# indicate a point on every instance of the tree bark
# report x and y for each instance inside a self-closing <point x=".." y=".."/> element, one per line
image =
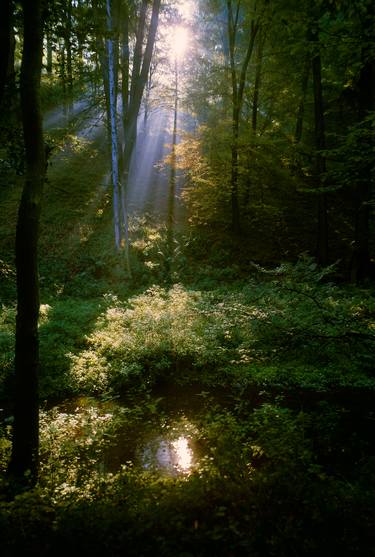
<point x="301" y="106"/>
<point x="24" y="458"/>
<point x="5" y="43"/>
<point x="68" y="49"/>
<point x="113" y="129"/>
<point x="137" y="89"/>
<point x="258" y="79"/>
<point x="62" y="72"/>
<point x="320" y="145"/>
<point x="125" y="62"/>
<point x="49" y="55"/>
<point x="238" y="86"/>
<point x="172" y="184"/>
<point x="361" y="265"/>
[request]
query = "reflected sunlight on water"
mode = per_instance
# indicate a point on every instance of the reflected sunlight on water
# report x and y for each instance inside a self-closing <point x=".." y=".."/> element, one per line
<point x="173" y="456"/>
<point x="184" y="454"/>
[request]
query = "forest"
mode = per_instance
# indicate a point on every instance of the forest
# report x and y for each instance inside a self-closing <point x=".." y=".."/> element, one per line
<point x="187" y="264"/>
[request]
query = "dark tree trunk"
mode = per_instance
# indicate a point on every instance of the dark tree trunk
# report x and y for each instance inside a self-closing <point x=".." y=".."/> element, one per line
<point x="258" y="78"/>
<point x="361" y="267"/>
<point x="236" y="226"/>
<point x="301" y="106"/>
<point x="147" y="99"/>
<point x="238" y="86"/>
<point x="125" y="62"/>
<point x="68" y="49"/>
<point x="80" y="41"/>
<point x="24" y="459"/>
<point x="49" y="55"/>
<point x="62" y="75"/>
<point x="172" y="186"/>
<point x="320" y="145"/>
<point x="5" y="43"/>
<point x="8" y="86"/>
<point x="137" y="89"/>
<point x="138" y="50"/>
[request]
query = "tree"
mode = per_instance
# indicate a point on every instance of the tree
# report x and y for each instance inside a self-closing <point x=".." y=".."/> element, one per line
<point x="320" y="145"/>
<point x="238" y="80"/>
<point x="140" y="72"/>
<point x="5" y="43"/>
<point x="24" y="459"/>
<point x="366" y="111"/>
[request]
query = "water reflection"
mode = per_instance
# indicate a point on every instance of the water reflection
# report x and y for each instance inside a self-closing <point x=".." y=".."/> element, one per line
<point x="168" y="446"/>
<point x="172" y="456"/>
<point x="184" y="453"/>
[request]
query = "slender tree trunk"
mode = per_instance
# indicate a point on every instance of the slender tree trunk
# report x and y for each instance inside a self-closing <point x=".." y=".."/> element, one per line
<point x="68" y="49"/>
<point x="301" y="106"/>
<point x="236" y="226"/>
<point x="137" y="89"/>
<point x="80" y="42"/>
<point x="364" y="190"/>
<point x="125" y="62"/>
<point x="138" y="49"/>
<point x="238" y="86"/>
<point x="120" y="216"/>
<point x="131" y="117"/>
<point x="24" y="459"/>
<point x="113" y="130"/>
<point x="258" y="78"/>
<point x="172" y="184"/>
<point x="147" y="100"/>
<point x="49" y="55"/>
<point x="5" y="43"/>
<point x="320" y="145"/>
<point x="62" y="64"/>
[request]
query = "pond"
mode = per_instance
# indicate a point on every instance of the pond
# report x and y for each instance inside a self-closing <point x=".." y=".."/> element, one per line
<point x="160" y="433"/>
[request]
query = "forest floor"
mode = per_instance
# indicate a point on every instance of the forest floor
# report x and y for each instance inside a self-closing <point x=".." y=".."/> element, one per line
<point x="204" y="406"/>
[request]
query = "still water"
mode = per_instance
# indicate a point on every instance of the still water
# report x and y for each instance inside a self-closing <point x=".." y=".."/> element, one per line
<point x="166" y="441"/>
<point x="171" y="456"/>
<point x="168" y="448"/>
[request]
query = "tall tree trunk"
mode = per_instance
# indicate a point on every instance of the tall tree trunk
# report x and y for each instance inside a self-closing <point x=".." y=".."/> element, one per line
<point x="361" y="266"/>
<point x="24" y="459"/>
<point x="238" y="86"/>
<point x="62" y="72"/>
<point x="138" y="49"/>
<point x="6" y="13"/>
<point x="68" y="49"/>
<point x="131" y="117"/>
<point x="258" y="77"/>
<point x="147" y="99"/>
<point x="172" y="184"/>
<point x="302" y="100"/>
<point x="236" y="226"/>
<point x="113" y="129"/>
<point x="49" y="55"/>
<point x="125" y="63"/>
<point x="136" y="91"/>
<point x="120" y="216"/>
<point x="80" y="41"/>
<point x="320" y="145"/>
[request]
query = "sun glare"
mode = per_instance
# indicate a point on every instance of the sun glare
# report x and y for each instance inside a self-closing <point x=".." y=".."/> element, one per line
<point x="186" y="9"/>
<point x="179" y="42"/>
<point x="184" y="454"/>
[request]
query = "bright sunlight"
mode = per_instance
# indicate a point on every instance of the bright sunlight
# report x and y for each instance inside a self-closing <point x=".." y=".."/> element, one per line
<point x="179" y="42"/>
<point x="183" y="453"/>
